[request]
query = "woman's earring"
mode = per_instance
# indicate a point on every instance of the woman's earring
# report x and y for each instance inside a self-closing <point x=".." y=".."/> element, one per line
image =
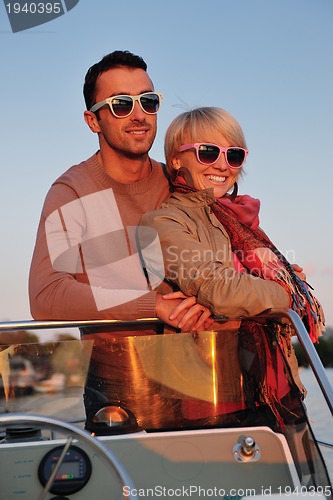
<point x="234" y="192"/>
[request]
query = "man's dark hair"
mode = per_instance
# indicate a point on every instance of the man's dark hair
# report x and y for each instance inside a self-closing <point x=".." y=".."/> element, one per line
<point x="114" y="60"/>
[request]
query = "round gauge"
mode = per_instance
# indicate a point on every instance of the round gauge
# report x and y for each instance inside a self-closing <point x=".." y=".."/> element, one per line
<point x="72" y="475"/>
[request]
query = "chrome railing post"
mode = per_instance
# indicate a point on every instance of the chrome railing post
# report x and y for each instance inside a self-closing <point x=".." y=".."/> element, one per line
<point x="312" y="356"/>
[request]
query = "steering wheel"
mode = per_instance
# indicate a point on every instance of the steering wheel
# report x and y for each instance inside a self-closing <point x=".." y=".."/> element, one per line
<point x="72" y="431"/>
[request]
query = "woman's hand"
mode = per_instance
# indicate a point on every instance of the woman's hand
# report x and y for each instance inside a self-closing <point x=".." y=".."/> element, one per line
<point x="299" y="271"/>
<point x="190" y="316"/>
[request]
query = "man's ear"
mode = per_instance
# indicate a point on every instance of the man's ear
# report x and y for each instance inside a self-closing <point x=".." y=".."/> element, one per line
<point x="92" y="122"/>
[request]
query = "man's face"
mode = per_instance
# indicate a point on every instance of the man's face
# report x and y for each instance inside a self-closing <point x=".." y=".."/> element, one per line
<point x="133" y="135"/>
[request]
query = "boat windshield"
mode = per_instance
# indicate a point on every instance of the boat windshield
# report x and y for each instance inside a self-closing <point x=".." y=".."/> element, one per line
<point x="113" y="385"/>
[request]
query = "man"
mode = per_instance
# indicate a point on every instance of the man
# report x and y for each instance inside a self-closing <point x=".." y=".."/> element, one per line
<point x="85" y="264"/>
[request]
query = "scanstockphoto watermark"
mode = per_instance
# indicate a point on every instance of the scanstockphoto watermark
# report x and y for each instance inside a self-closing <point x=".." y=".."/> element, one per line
<point x="24" y="15"/>
<point x="187" y="492"/>
<point x="231" y="494"/>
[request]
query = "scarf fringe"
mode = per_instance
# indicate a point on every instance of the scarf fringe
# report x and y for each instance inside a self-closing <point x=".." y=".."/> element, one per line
<point x="303" y="303"/>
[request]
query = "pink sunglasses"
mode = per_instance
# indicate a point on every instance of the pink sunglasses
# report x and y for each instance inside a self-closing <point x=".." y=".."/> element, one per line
<point x="208" y="154"/>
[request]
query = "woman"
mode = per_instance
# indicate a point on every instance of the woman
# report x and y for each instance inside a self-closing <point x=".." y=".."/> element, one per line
<point x="212" y="245"/>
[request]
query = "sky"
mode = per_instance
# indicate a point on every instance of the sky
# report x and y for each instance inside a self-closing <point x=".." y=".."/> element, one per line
<point x="268" y="62"/>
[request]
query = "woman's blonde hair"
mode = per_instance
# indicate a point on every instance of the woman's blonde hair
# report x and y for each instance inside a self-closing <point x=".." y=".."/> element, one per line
<point x="200" y="125"/>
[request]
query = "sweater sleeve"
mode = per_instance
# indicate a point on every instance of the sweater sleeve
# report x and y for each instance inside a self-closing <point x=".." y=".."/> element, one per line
<point x="61" y="283"/>
<point x="208" y="273"/>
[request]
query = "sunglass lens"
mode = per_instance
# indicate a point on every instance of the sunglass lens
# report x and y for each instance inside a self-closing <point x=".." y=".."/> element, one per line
<point x="122" y="106"/>
<point x="208" y="154"/>
<point x="150" y="103"/>
<point x="235" y="157"/>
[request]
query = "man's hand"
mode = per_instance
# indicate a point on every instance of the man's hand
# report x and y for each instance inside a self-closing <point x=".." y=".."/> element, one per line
<point x="183" y="312"/>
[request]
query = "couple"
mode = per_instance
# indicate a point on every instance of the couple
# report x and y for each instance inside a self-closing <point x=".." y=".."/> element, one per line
<point x="86" y="264"/>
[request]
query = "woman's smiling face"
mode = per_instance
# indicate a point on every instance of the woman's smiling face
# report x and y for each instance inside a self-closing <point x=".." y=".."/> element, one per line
<point x="219" y="176"/>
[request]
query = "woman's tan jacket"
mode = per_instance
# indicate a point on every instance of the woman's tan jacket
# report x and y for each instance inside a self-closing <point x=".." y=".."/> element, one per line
<point x="198" y="259"/>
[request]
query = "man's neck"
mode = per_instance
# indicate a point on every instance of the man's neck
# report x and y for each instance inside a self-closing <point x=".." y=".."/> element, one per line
<point x="126" y="170"/>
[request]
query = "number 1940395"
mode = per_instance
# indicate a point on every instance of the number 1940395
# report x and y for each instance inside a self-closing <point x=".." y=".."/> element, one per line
<point x="34" y="8"/>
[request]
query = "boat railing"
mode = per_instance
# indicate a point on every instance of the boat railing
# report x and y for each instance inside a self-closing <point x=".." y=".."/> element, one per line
<point x="309" y="350"/>
<point x="286" y="316"/>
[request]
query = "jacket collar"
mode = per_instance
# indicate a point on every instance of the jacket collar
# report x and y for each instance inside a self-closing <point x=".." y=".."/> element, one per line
<point x="200" y="198"/>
